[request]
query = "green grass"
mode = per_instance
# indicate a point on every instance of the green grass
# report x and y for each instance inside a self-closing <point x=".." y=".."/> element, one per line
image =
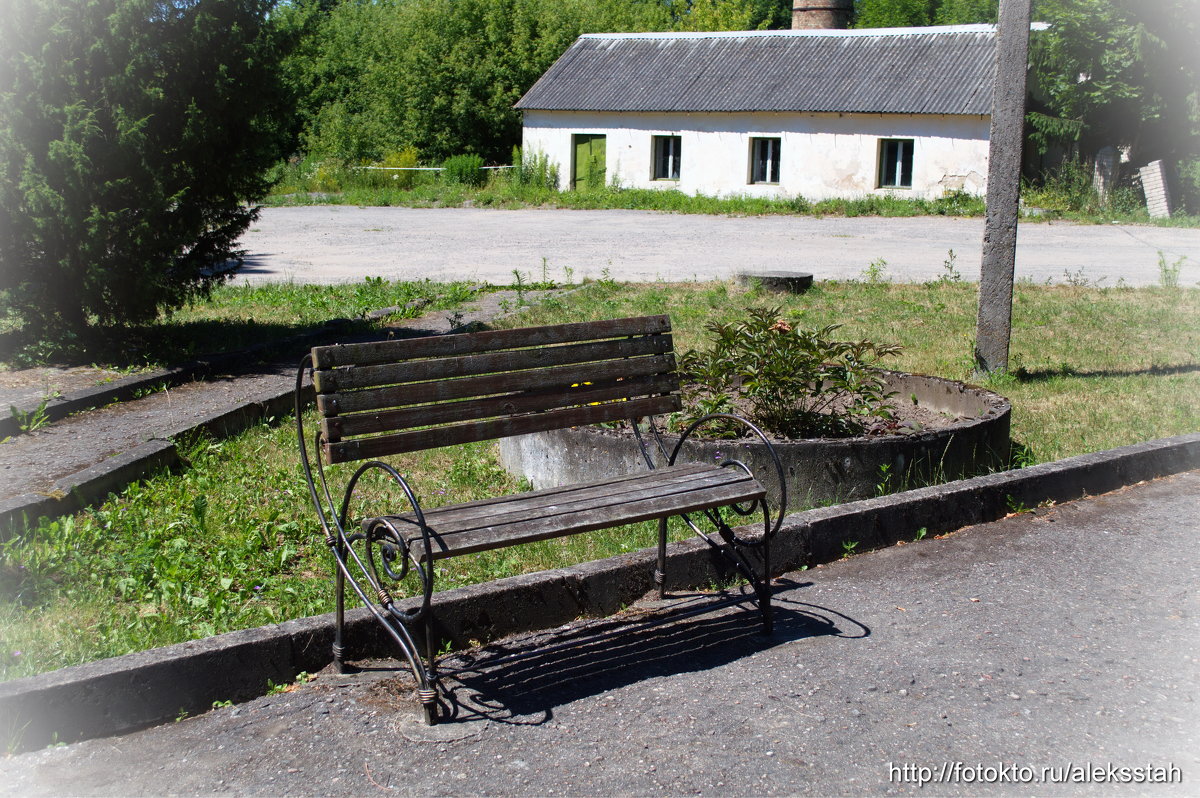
<point x="339" y="185"/>
<point x="500" y="194"/>
<point x="232" y="542"/>
<point x="1093" y="368"/>
<point x="233" y="317"/>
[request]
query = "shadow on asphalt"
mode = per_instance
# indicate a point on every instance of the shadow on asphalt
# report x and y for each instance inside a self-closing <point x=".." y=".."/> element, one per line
<point x="522" y="681"/>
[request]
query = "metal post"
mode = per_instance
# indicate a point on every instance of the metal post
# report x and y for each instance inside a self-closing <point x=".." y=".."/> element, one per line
<point x="339" y="647"/>
<point x="994" y="326"/>
<point x="660" y="572"/>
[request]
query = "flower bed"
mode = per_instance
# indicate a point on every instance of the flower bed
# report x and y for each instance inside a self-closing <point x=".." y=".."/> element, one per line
<point x="973" y="439"/>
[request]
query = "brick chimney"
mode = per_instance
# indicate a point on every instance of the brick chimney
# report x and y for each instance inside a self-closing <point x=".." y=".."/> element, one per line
<point x="815" y="14"/>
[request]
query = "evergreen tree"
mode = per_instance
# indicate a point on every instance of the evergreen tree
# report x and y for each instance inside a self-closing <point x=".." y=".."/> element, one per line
<point x="132" y="134"/>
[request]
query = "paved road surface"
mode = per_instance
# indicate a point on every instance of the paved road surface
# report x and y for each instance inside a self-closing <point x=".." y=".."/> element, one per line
<point x="1069" y="636"/>
<point x="332" y="244"/>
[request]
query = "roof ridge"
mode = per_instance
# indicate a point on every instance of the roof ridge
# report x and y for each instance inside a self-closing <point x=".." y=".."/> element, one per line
<point x="829" y="32"/>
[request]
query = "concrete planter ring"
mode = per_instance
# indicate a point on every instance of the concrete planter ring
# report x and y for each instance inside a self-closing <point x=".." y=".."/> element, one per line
<point x="820" y="471"/>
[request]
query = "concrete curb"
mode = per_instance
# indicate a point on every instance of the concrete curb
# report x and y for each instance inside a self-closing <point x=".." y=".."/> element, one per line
<point x="87" y="487"/>
<point x="122" y="694"/>
<point x="94" y="484"/>
<point x="129" y="387"/>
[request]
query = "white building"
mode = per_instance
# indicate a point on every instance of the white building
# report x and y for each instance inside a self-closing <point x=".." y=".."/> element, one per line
<point x="811" y="113"/>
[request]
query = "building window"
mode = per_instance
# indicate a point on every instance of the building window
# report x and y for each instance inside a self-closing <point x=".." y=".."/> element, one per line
<point x="764" y="160"/>
<point x="666" y="157"/>
<point x="895" y="163"/>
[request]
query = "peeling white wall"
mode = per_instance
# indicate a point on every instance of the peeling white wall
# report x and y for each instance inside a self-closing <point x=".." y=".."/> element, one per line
<point x="823" y="155"/>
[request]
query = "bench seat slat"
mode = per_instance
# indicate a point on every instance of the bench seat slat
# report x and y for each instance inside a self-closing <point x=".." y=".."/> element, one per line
<point x="448" y="390"/>
<point x="516" y="360"/>
<point x="579" y="496"/>
<point x="415" y="440"/>
<point x="327" y="357"/>
<point x="550" y="493"/>
<point x="664" y="492"/>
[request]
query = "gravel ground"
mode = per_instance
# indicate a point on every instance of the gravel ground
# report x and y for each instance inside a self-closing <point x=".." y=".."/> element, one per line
<point x="333" y="244"/>
<point x="1064" y="636"/>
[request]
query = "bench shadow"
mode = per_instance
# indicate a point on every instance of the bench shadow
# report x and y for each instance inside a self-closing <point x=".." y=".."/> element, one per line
<point x="521" y="681"/>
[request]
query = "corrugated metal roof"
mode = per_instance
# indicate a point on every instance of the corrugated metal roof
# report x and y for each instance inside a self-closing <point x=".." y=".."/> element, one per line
<point x="903" y="71"/>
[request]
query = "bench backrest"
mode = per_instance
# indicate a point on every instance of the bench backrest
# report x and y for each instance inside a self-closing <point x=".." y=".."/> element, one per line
<point x="389" y="397"/>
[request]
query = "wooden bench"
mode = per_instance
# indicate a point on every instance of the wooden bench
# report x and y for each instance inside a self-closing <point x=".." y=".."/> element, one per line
<point x="386" y="398"/>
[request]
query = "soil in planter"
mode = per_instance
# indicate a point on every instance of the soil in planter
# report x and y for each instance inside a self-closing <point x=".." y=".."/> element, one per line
<point x="907" y="418"/>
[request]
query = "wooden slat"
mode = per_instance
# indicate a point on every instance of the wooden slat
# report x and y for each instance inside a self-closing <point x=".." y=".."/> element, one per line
<point x="508" y="361"/>
<point x="345" y="426"/>
<point x="650" y="505"/>
<point x="327" y="357"/>
<point x="415" y="440"/>
<point x="456" y="520"/>
<point x="550" y="494"/>
<point x="562" y="492"/>
<point x="444" y="390"/>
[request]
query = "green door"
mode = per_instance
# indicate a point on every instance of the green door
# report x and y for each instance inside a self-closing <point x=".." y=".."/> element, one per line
<point x="588" y="169"/>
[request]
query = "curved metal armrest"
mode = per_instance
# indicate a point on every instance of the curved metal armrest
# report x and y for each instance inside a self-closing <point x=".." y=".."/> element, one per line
<point x="393" y="545"/>
<point x="325" y="509"/>
<point x="762" y="437"/>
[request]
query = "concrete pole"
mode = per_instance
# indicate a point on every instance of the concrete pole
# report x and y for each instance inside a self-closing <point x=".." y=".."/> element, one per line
<point x="994" y="327"/>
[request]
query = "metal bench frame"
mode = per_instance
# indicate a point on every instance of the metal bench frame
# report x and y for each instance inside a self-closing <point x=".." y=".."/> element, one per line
<point x="390" y="397"/>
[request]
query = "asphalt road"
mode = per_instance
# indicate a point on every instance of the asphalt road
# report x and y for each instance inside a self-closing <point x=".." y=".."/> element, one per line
<point x="333" y="244"/>
<point x="1056" y="644"/>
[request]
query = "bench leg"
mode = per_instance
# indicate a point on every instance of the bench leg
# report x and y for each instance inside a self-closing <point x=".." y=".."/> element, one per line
<point x="428" y="694"/>
<point x="660" y="572"/>
<point x="764" y="594"/>
<point x="339" y="650"/>
<point x="737" y="551"/>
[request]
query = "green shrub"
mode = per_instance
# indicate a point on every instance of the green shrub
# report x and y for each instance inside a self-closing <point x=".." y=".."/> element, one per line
<point x="794" y="383"/>
<point x="1070" y="189"/>
<point x="1067" y="188"/>
<point x="463" y="170"/>
<point x="534" y="169"/>
<point x="389" y="175"/>
<point x="1189" y="184"/>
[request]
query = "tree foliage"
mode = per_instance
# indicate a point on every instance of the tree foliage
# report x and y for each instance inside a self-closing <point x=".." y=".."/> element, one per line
<point x="1111" y="72"/>
<point x="131" y="134"/>
<point x="908" y="13"/>
<point x="1106" y="72"/>
<point x="443" y="75"/>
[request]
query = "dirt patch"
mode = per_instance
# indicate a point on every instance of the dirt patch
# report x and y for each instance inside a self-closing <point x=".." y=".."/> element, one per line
<point x="903" y="418"/>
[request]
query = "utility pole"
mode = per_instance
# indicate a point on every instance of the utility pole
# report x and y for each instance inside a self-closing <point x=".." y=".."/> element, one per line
<point x="994" y="326"/>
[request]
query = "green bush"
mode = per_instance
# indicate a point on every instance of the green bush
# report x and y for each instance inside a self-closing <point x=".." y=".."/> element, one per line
<point x="1189" y="184"/>
<point x="1067" y="188"/>
<point x="794" y="383"/>
<point x="390" y="176"/>
<point x="135" y="136"/>
<point x="534" y="170"/>
<point x="463" y="170"/>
